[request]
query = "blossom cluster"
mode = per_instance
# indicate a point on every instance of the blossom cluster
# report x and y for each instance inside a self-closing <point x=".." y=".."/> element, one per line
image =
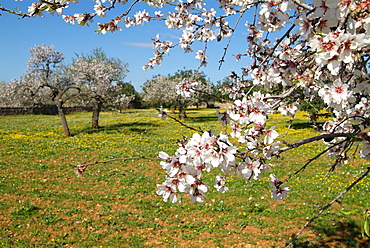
<point x="199" y="153"/>
<point x="208" y="151"/>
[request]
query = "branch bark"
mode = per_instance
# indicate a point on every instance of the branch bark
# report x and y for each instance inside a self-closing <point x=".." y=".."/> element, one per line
<point x="289" y="146"/>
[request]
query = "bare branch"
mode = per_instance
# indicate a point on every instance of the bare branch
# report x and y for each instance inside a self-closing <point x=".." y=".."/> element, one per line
<point x="183" y="124"/>
<point x="314" y="158"/>
<point x="222" y="60"/>
<point x="82" y="167"/>
<point x="323" y="136"/>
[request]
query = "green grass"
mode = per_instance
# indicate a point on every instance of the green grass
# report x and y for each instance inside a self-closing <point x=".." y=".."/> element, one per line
<point x="44" y="204"/>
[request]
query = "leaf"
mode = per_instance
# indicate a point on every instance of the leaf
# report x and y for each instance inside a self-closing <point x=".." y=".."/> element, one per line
<point x="367" y="226"/>
<point x="348" y="212"/>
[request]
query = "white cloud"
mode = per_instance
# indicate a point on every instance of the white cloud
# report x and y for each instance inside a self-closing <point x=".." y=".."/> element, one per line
<point x="139" y="44"/>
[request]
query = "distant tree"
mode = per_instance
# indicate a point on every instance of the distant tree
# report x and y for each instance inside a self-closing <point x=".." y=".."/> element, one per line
<point x="230" y="86"/>
<point x="161" y="91"/>
<point x="7" y="98"/>
<point x="97" y="77"/>
<point x="129" y="90"/>
<point x="203" y="90"/>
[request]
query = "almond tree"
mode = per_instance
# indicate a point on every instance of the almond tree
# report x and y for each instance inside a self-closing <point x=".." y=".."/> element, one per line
<point x="162" y="91"/>
<point x="46" y="71"/>
<point x="322" y="49"/>
<point x="97" y="76"/>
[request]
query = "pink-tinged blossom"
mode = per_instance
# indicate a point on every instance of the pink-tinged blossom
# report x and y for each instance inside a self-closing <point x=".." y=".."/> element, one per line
<point x="69" y="19"/>
<point x="279" y="191"/>
<point x="34" y="10"/>
<point x="305" y="25"/>
<point x="79" y="171"/>
<point x="338" y="95"/>
<point x="249" y="169"/>
<point x="270" y="150"/>
<point x="270" y="135"/>
<point x="99" y="9"/>
<point x="185" y="88"/>
<point x="168" y="190"/>
<point x="220" y="184"/>
<point x="164" y="156"/>
<point x="201" y="57"/>
<point x="288" y="109"/>
<point x="197" y="192"/>
<point x="227" y="150"/>
<point x="171" y="166"/>
<point x="158" y="14"/>
<point x="141" y="17"/>
<point x="223" y="117"/>
<point x="235" y="130"/>
<point x="162" y="113"/>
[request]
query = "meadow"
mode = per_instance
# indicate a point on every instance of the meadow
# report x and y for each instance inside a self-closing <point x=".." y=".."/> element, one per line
<point x="44" y="204"/>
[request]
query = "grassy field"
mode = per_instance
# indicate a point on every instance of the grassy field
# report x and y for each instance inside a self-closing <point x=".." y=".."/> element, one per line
<point x="44" y="204"/>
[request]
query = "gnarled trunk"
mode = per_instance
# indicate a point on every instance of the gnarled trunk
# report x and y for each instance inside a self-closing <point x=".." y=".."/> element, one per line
<point x="95" y="115"/>
<point x="182" y="113"/>
<point x="63" y="119"/>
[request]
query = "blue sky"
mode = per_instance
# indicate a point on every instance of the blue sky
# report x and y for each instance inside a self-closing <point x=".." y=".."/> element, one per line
<point x="131" y="45"/>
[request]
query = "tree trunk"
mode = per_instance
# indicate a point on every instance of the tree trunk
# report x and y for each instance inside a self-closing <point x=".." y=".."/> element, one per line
<point x="95" y="115"/>
<point x="182" y="113"/>
<point x="63" y="119"/>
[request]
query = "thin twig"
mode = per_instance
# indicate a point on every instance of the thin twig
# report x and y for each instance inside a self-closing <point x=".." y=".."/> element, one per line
<point x="82" y="167"/>
<point x="291" y="244"/>
<point x="15" y="13"/>
<point x="222" y="60"/>
<point x="183" y="124"/>
<point x="313" y="159"/>
<point x="289" y="127"/>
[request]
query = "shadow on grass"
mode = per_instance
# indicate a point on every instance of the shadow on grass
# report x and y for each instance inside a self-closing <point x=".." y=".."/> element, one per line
<point x="138" y="127"/>
<point x="343" y="234"/>
<point x="304" y="125"/>
<point x="202" y="119"/>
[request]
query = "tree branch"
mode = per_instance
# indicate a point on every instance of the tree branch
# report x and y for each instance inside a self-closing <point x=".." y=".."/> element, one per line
<point x="303" y="5"/>
<point x="15" y="13"/>
<point x="314" y="158"/>
<point x="183" y="124"/>
<point x="323" y="136"/>
<point x="82" y="167"/>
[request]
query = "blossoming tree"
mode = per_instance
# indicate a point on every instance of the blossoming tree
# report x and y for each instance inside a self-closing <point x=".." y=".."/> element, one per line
<point x="96" y="75"/>
<point x="162" y="91"/>
<point x="46" y="71"/>
<point x="321" y="49"/>
<point x="87" y="81"/>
